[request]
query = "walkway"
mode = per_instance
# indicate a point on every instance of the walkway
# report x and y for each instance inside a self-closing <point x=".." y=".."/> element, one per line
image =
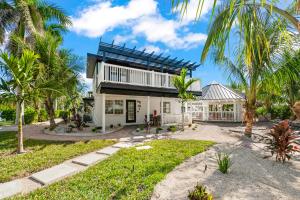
<point x="69" y="167"/>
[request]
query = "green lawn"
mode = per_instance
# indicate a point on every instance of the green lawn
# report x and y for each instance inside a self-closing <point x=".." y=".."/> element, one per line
<point x="41" y="154"/>
<point x="6" y="123"/>
<point x="129" y="174"/>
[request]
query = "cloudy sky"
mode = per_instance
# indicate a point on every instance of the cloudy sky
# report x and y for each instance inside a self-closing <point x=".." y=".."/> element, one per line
<point x="149" y="24"/>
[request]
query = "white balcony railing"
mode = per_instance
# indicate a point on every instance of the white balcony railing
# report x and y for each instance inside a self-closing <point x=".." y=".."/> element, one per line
<point x="126" y="75"/>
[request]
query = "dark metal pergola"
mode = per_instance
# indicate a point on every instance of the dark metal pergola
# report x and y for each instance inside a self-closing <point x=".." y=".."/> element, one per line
<point x="112" y="52"/>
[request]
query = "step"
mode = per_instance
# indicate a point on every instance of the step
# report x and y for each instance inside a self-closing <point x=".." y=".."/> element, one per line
<point x="108" y="150"/>
<point x="89" y="159"/>
<point x="123" y="145"/>
<point x="54" y="174"/>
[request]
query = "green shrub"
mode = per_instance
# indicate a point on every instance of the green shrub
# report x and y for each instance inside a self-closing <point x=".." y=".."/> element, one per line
<point x="43" y="115"/>
<point x="224" y="162"/>
<point x="281" y="112"/>
<point x="172" y="128"/>
<point x="57" y="113"/>
<point x="141" y="126"/>
<point x="199" y="193"/>
<point x="261" y="111"/>
<point x="30" y="115"/>
<point x="9" y="114"/>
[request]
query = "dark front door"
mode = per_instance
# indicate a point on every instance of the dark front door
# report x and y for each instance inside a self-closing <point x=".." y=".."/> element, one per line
<point x="130" y="111"/>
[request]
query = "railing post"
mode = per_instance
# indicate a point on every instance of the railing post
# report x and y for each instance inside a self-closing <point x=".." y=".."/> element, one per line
<point x="167" y="80"/>
<point x="153" y="77"/>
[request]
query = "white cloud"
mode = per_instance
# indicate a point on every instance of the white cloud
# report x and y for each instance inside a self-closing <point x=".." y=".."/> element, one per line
<point x="151" y="48"/>
<point x="87" y="81"/>
<point x="140" y="18"/>
<point x="192" y="12"/>
<point x="102" y="16"/>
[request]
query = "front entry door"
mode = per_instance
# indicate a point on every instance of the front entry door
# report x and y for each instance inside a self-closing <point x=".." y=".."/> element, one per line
<point x="130" y="111"/>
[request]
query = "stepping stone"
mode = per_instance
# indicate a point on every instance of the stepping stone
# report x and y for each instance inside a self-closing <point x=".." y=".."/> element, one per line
<point x="53" y="174"/>
<point x="125" y="139"/>
<point x="10" y="188"/>
<point x="138" y="138"/>
<point x="123" y="145"/>
<point x="143" y="147"/>
<point x="108" y="150"/>
<point x="150" y="136"/>
<point x="89" y="159"/>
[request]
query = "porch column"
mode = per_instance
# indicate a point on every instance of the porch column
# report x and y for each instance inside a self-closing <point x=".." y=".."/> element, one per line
<point x="148" y="108"/>
<point x="103" y="113"/>
<point x="234" y="111"/>
<point x="162" y="111"/>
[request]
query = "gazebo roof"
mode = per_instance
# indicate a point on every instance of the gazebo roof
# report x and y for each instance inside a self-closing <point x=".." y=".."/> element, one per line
<point x="134" y="57"/>
<point x="217" y="91"/>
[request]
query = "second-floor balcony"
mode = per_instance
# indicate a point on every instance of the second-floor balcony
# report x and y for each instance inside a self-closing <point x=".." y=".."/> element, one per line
<point x="131" y="76"/>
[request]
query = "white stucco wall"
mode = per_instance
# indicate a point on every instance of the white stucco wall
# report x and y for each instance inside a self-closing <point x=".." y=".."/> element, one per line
<point x="141" y="111"/>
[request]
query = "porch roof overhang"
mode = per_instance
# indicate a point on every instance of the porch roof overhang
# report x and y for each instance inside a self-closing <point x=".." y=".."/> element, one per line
<point x="135" y="90"/>
<point x="137" y="59"/>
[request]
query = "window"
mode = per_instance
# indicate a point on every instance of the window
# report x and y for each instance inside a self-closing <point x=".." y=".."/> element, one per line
<point x="114" y="107"/>
<point x="118" y="107"/>
<point x="109" y="107"/>
<point x="167" y="107"/>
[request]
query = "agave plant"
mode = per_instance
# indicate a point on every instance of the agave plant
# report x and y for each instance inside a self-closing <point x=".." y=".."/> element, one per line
<point x="283" y="143"/>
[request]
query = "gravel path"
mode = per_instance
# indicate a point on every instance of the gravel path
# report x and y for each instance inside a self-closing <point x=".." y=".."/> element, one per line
<point x="251" y="175"/>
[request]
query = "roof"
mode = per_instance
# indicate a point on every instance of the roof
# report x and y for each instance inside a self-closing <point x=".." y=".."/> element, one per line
<point x="217" y="91"/>
<point x="137" y="58"/>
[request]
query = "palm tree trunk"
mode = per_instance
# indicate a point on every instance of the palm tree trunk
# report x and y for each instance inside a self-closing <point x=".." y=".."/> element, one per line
<point x="50" y="111"/>
<point x="20" y="108"/>
<point x="182" y="115"/>
<point x="249" y="119"/>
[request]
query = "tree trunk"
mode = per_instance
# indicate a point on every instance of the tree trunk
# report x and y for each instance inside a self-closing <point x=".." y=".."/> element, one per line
<point x="249" y="120"/>
<point x="50" y="111"/>
<point x="182" y="115"/>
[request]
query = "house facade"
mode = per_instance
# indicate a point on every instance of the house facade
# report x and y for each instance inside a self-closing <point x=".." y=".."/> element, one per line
<point x="134" y="87"/>
<point x="218" y="103"/>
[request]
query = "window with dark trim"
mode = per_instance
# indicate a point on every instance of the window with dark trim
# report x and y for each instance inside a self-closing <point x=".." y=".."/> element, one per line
<point x="167" y="107"/>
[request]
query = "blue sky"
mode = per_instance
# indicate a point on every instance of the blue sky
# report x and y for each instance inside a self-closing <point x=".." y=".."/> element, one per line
<point x="146" y="24"/>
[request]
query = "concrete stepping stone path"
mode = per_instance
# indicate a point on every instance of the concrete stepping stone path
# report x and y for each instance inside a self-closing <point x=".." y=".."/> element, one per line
<point x="108" y="150"/>
<point x="89" y="159"/>
<point x="53" y="174"/>
<point x="123" y="145"/>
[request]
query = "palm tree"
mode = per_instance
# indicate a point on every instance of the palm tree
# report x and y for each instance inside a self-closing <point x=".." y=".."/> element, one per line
<point x="261" y="41"/>
<point x="236" y="6"/>
<point x="22" y="17"/>
<point x="19" y="84"/>
<point x="182" y="85"/>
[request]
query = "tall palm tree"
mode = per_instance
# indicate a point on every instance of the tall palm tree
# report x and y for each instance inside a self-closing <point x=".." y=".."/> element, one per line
<point x="182" y="85"/>
<point x="261" y="39"/>
<point x="19" y="84"/>
<point x="236" y="6"/>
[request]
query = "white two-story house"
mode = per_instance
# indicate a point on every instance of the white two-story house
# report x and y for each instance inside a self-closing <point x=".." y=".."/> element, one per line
<point x="131" y="86"/>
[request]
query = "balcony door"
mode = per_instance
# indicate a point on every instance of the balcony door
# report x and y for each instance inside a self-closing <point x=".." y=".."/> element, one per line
<point x="130" y="111"/>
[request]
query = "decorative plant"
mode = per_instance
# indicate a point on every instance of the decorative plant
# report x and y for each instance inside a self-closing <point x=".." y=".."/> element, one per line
<point x="158" y="129"/>
<point x="78" y="122"/>
<point x="199" y="193"/>
<point x="190" y="125"/>
<point x="111" y="126"/>
<point x="224" y="162"/>
<point x="172" y="128"/>
<point x="283" y="143"/>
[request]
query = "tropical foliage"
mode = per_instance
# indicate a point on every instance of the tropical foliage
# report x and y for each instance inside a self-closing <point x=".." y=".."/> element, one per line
<point x="182" y="84"/>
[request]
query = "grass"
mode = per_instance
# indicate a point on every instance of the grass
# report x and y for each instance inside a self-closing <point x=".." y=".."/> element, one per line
<point x="6" y="123"/>
<point x="41" y="154"/>
<point x="128" y="174"/>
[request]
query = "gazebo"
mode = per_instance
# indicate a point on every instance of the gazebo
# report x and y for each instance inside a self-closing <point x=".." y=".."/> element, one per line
<point x="218" y="103"/>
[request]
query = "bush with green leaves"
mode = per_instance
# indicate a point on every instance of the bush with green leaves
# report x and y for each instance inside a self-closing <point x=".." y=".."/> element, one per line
<point x="172" y="128"/>
<point x="30" y="115"/>
<point x="43" y="115"/>
<point x="8" y="114"/>
<point x="199" y="193"/>
<point x="261" y="111"/>
<point x="224" y="162"/>
<point x="281" y="112"/>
